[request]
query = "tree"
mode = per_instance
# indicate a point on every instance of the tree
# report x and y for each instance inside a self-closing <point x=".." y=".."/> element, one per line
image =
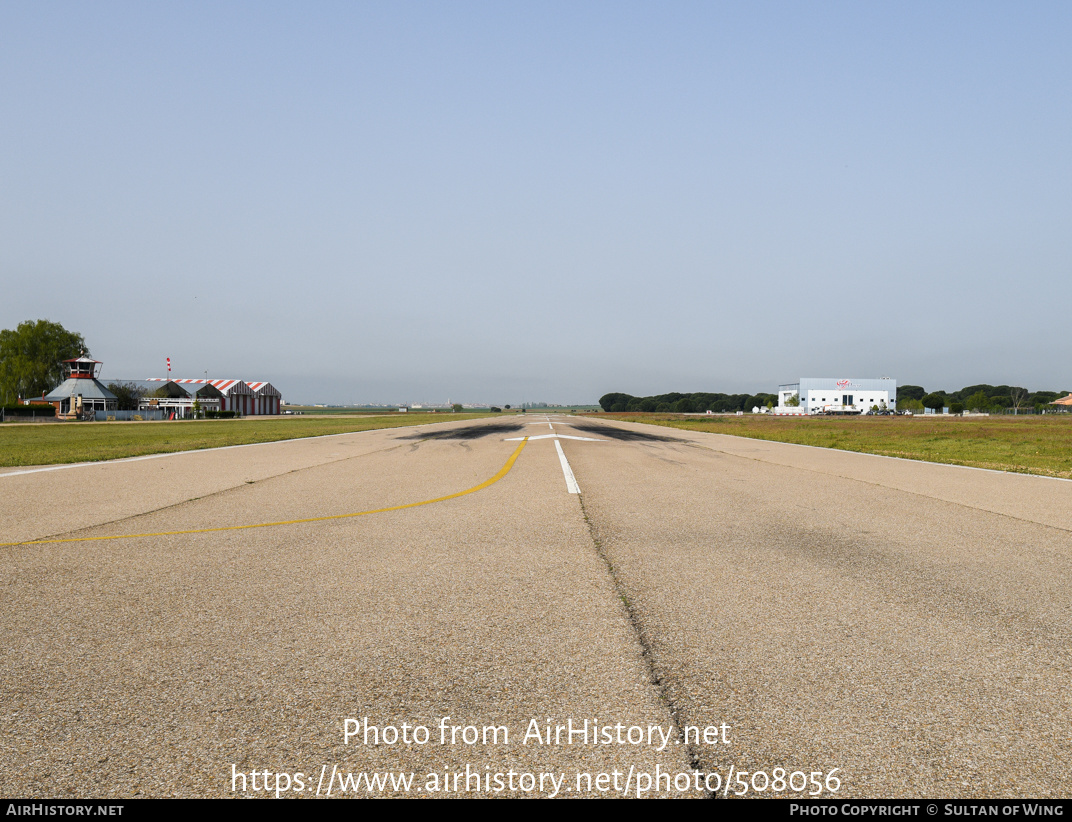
<point x="970" y="391"/>
<point x="31" y="357"/>
<point x="456" y="407"/>
<point x="611" y="402"/>
<point x="1018" y="397"/>
<point x="792" y="401"/>
<point x="1042" y="398"/>
<point x="978" y="401"/>
<point x="910" y="392"/>
<point x="129" y="396"/>
<point x="956" y="407"/>
<point x="935" y="401"/>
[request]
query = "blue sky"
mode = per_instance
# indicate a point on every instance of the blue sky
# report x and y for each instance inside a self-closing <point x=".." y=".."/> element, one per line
<point x="543" y="201"/>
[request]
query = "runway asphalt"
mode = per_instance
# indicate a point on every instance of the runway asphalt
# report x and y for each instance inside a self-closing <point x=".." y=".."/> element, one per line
<point x="834" y="623"/>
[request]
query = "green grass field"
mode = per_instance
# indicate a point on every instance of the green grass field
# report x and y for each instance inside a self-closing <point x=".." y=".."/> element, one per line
<point x="331" y="410"/>
<point x="313" y="410"/>
<point x="52" y="443"/>
<point x="1028" y="444"/>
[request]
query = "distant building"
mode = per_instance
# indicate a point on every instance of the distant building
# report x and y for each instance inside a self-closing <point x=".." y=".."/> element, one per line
<point x="831" y="395"/>
<point x="246" y="399"/>
<point x="176" y="401"/>
<point x="81" y="395"/>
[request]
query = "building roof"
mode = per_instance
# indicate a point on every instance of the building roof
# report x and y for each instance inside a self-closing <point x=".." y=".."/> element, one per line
<point x="88" y="388"/>
<point x="143" y="384"/>
<point x="1063" y="401"/>
<point x="224" y="386"/>
<point x="171" y="388"/>
<point x="264" y="389"/>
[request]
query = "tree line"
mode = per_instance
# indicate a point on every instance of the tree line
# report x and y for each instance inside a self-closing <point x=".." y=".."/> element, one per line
<point x="686" y="403"/>
<point x="982" y="397"/>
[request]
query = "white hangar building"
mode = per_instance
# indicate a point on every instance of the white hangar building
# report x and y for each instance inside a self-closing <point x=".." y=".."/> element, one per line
<point x="820" y="395"/>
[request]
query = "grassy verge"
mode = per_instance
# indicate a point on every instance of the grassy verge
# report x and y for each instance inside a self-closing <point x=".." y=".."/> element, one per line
<point x="1028" y="444"/>
<point x="322" y="411"/>
<point x="51" y="443"/>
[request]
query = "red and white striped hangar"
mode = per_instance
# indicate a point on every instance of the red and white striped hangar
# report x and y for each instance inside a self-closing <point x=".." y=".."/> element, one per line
<point x="250" y="399"/>
<point x="266" y="398"/>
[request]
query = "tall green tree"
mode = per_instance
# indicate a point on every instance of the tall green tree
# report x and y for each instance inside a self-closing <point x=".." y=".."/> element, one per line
<point x="30" y="358"/>
<point x="610" y="402"/>
<point x="935" y="401"/>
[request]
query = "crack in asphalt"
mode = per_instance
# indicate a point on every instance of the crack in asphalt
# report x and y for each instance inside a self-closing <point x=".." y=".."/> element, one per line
<point x="636" y="623"/>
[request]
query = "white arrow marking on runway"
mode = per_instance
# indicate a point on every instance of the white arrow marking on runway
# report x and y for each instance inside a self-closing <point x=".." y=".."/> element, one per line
<point x="553" y="437"/>
<point x="567" y="472"/>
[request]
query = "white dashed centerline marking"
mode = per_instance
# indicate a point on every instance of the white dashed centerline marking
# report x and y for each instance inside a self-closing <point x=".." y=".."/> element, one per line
<point x="571" y="481"/>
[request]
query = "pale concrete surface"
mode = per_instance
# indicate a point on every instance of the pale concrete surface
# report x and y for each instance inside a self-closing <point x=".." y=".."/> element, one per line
<point x="151" y="666"/>
<point x="908" y="624"/>
<point x="109" y="491"/>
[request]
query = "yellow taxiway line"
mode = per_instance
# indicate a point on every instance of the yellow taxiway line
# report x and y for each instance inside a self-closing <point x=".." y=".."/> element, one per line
<point x="502" y="473"/>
